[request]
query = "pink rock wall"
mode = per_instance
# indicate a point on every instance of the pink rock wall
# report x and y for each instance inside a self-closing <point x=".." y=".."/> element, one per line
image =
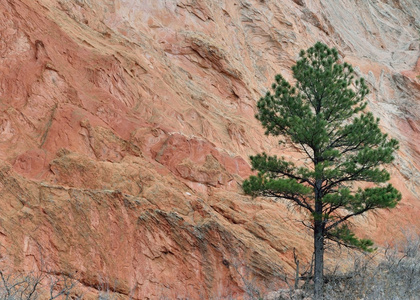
<point x="125" y="130"/>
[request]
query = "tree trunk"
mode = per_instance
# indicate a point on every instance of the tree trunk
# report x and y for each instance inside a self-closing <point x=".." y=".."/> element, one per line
<point x="319" y="260"/>
<point x="318" y="243"/>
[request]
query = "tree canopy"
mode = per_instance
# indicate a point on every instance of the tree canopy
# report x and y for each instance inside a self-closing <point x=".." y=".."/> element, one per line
<point x="323" y="115"/>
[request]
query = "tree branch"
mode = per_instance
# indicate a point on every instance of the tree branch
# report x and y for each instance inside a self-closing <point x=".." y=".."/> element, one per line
<point x="298" y="178"/>
<point x="300" y="202"/>
<point x="345" y="218"/>
<point x="352" y="177"/>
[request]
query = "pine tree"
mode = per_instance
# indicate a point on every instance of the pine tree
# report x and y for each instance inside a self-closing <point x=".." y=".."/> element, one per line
<point x="323" y="115"/>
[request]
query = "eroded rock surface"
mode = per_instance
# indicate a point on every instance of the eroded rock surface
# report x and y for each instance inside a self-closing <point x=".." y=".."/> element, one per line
<point x="126" y="125"/>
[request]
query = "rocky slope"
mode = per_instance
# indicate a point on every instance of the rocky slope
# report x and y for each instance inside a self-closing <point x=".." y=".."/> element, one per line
<point x="125" y="128"/>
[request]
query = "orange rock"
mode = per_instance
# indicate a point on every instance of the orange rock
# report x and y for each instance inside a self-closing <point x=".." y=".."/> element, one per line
<point x="126" y="126"/>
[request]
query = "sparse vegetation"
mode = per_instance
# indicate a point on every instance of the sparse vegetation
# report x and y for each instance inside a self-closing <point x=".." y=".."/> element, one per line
<point x="35" y="285"/>
<point x="392" y="273"/>
<point x="48" y="286"/>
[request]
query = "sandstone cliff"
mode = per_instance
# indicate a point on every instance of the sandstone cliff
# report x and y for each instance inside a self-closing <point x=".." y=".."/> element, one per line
<point x="126" y="125"/>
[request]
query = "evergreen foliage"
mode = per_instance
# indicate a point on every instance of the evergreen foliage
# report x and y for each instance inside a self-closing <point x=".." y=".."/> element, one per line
<point x="324" y="116"/>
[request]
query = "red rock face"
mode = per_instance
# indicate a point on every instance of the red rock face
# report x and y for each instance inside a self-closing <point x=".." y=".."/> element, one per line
<point x="125" y="130"/>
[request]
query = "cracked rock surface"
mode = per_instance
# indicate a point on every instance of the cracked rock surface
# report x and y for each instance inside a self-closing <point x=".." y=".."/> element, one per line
<point x="126" y="126"/>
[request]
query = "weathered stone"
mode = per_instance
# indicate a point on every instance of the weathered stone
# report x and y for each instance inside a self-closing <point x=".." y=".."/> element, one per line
<point x="125" y="130"/>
